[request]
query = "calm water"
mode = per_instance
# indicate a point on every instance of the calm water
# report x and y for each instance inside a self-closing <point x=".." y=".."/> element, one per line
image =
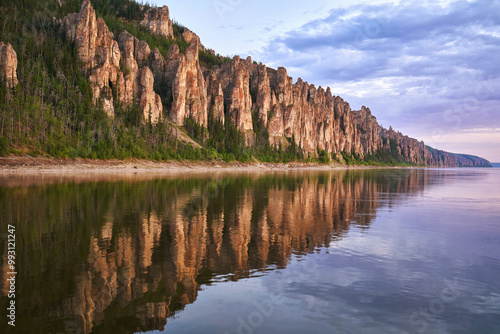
<point x="371" y="251"/>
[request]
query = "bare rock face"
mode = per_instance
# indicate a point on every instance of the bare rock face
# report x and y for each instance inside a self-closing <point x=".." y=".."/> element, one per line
<point x="282" y="99"/>
<point x="106" y="72"/>
<point x="235" y="81"/>
<point x="369" y="130"/>
<point x="189" y="93"/>
<point x="98" y="51"/>
<point x="261" y="92"/>
<point x="150" y="102"/>
<point x="127" y="44"/>
<point x="102" y="56"/>
<point x="139" y="82"/>
<point x="312" y="116"/>
<point x="142" y="52"/>
<point x="158" y="22"/>
<point x="8" y="64"/>
<point x="82" y="28"/>
<point x="215" y="97"/>
<point x="191" y="37"/>
<point x="156" y="61"/>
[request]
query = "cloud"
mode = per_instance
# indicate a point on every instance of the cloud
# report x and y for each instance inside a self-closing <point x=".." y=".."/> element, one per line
<point x="427" y="62"/>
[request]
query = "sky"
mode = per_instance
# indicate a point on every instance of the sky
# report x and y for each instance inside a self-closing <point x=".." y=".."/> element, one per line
<point x="430" y="69"/>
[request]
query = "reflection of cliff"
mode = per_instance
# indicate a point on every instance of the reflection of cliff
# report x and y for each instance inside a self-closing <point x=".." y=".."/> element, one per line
<point x="153" y="244"/>
<point x="116" y="272"/>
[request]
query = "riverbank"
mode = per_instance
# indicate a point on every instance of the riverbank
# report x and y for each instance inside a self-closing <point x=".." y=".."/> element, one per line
<point x="26" y="171"/>
<point x="32" y="165"/>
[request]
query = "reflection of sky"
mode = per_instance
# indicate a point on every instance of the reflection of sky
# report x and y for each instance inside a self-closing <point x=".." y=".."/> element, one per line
<point x="436" y="251"/>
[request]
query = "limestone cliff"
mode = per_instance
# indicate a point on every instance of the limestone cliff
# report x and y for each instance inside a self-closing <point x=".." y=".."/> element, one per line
<point x="231" y="92"/>
<point x="235" y="82"/>
<point x="8" y="64"/>
<point x="187" y="84"/>
<point x="103" y="56"/>
<point x="157" y="20"/>
<point x="215" y="97"/>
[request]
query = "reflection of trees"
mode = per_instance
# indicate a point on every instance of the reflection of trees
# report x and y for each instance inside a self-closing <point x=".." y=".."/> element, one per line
<point x="124" y="256"/>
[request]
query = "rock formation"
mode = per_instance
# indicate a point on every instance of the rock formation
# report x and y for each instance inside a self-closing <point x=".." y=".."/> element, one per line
<point x="139" y="82"/>
<point x="231" y="92"/>
<point x="234" y="78"/>
<point x="103" y="56"/>
<point x="187" y="85"/>
<point x="215" y="97"/>
<point x="82" y="29"/>
<point x="157" y="21"/>
<point x="261" y="93"/>
<point x="190" y="37"/>
<point x="8" y="64"/>
<point x="149" y="101"/>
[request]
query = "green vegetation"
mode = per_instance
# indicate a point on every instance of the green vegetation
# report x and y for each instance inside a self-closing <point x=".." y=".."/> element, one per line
<point x="208" y="60"/>
<point x="117" y="26"/>
<point x="127" y="9"/>
<point x="224" y="141"/>
<point x="379" y="158"/>
<point x="227" y="140"/>
<point x="195" y="130"/>
<point x="266" y="152"/>
<point x="323" y="156"/>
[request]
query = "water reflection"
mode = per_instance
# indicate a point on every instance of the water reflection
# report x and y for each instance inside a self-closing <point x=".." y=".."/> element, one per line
<point x="125" y="255"/>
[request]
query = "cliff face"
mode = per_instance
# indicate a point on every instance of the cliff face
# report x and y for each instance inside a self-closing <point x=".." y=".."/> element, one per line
<point x="157" y="20"/>
<point x="231" y="92"/>
<point x="234" y="77"/>
<point x="8" y="64"/>
<point x="189" y="93"/>
<point x="102" y="56"/>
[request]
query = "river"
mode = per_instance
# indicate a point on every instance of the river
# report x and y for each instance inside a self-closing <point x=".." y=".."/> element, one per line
<point x="341" y="251"/>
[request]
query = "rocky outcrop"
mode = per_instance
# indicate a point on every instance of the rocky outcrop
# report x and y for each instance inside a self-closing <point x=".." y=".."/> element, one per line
<point x="190" y="37"/>
<point x="139" y="81"/>
<point x="98" y="51"/>
<point x="127" y="44"/>
<point x="106" y="74"/>
<point x="375" y="138"/>
<point x="156" y="61"/>
<point x="82" y="29"/>
<point x="187" y="85"/>
<point x="8" y="64"/>
<point x="261" y="92"/>
<point x="312" y="116"/>
<point x="113" y="65"/>
<point x="369" y="130"/>
<point x="462" y="160"/>
<point x="234" y="78"/>
<point x="149" y="101"/>
<point x="215" y="97"/>
<point x="157" y="20"/>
